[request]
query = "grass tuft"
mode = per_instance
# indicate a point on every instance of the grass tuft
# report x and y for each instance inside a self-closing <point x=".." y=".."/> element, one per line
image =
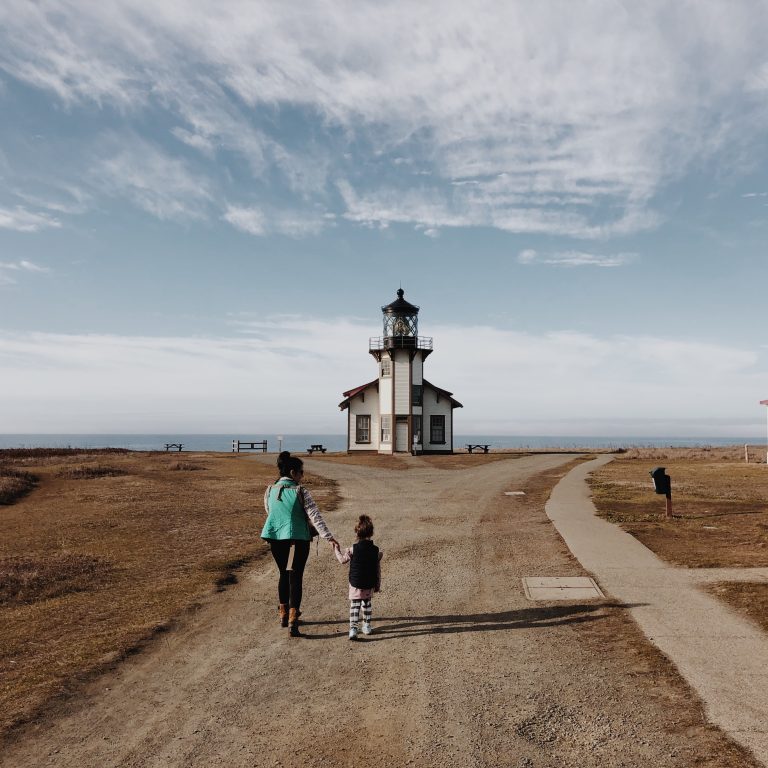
<point x="88" y="471"/>
<point x="14" y="483"/>
<point x="25" y="580"/>
<point x="186" y="466"/>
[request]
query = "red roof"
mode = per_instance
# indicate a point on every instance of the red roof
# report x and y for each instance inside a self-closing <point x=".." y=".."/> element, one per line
<point x="350" y="393"/>
<point x="764" y="402"/>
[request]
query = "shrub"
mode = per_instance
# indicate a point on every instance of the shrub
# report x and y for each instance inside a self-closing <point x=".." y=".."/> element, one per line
<point x="29" y="579"/>
<point x="14" y="483"/>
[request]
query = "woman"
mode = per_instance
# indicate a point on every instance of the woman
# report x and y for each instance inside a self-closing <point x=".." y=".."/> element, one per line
<point x="290" y="511"/>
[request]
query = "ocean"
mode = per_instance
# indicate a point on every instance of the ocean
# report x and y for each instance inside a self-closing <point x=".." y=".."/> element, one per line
<point x="299" y="443"/>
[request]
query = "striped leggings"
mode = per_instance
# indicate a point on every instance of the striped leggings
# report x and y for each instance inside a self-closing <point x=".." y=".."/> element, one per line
<point x="354" y="611"/>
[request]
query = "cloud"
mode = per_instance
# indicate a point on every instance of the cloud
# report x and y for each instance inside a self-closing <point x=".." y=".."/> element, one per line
<point x="7" y="268"/>
<point x="59" y="197"/>
<point x="506" y="380"/>
<point x="23" y="220"/>
<point x="162" y="185"/>
<point x="575" y="259"/>
<point x="256" y="221"/>
<point x="561" y="119"/>
<point x="24" y="265"/>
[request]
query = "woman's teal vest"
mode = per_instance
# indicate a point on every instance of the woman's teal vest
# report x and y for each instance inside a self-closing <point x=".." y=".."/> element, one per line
<point x="287" y="518"/>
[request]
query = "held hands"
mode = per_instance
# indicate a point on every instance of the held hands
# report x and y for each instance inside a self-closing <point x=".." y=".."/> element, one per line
<point x="334" y="544"/>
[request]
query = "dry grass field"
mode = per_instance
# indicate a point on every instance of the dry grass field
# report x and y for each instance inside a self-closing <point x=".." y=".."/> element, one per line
<point x="720" y="512"/>
<point x="102" y="550"/>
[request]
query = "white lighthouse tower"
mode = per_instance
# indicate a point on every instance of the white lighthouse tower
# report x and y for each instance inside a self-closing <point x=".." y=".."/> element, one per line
<point x="399" y="411"/>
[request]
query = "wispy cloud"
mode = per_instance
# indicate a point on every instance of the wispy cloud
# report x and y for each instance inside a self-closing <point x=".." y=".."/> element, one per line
<point x="259" y="222"/>
<point x="9" y="270"/>
<point x="23" y="220"/>
<point x="555" y="119"/>
<point x="162" y="185"/>
<point x="575" y="258"/>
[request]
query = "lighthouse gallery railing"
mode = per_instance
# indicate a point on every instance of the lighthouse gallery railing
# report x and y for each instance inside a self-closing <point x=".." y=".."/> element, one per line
<point x="399" y="342"/>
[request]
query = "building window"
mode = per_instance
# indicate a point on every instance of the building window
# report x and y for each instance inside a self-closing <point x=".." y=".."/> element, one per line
<point x="417" y="388"/>
<point x="363" y="433"/>
<point x="386" y="366"/>
<point x="386" y="428"/>
<point x="436" y="429"/>
<point x="417" y="430"/>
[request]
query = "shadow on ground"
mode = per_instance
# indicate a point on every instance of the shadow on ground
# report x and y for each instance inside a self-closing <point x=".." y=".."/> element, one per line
<point x="392" y="627"/>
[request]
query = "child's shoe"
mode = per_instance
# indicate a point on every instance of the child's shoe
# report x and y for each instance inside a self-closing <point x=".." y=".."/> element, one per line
<point x="353" y="633"/>
<point x="367" y="628"/>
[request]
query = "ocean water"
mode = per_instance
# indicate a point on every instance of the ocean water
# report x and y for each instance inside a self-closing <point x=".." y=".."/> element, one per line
<point x="299" y="443"/>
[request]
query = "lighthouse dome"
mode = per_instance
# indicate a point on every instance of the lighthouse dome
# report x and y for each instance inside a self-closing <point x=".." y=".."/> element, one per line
<point x="401" y="319"/>
<point x="400" y="306"/>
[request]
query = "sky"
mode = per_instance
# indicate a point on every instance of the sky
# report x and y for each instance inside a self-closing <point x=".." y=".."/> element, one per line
<point x="204" y="206"/>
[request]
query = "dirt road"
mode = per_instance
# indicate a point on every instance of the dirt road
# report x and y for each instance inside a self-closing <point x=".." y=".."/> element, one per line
<point x="462" y="670"/>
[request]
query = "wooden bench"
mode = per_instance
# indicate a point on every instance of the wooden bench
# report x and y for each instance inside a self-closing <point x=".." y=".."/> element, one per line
<point x="316" y="447"/>
<point x="175" y="446"/>
<point x="249" y="445"/>
<point x="471" y="448"/>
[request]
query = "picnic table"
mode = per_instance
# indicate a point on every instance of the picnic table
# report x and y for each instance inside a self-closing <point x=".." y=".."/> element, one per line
<point x="472" y="447"/>
<point x="175" y="446"/>
<point x="316" y="447"/>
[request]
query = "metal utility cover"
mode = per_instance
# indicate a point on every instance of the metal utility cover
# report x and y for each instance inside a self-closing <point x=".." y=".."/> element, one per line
<point x="561" y="588"/>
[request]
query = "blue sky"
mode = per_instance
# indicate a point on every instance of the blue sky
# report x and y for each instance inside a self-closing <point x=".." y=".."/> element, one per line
<point x="204" y="206"/>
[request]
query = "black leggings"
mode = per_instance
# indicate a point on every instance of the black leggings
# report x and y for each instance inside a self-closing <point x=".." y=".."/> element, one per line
<point x="290" y="584"/>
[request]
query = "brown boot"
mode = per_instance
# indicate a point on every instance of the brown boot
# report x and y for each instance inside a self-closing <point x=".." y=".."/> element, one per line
<point x="293" y="621"/>
<point x="282" y="610"/>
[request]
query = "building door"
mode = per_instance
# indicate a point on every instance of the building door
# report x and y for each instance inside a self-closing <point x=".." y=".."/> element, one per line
<point x="401" y="434"/>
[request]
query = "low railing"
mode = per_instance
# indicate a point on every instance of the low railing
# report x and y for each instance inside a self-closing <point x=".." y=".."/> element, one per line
<point x="376" y="343"/>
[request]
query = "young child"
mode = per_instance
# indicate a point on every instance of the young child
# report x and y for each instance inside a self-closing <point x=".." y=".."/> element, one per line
<point x="364" y="575"/>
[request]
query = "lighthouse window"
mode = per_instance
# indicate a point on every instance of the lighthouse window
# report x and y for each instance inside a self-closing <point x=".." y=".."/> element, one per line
<point x="417" y="394"/>
<point x="386" y="366"/>
<point x="437" y="429"/>
<point x="363" y="432"/>
<point x="386" y="428"/>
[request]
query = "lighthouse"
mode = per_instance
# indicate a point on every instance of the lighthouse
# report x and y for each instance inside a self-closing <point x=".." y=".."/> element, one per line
<point x="399" y="411"/>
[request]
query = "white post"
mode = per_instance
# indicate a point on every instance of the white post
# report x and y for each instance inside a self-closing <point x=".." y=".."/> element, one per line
<point x="234" y="446"/>
<point x="279" y="443"/>
<point x="746" y="453"/>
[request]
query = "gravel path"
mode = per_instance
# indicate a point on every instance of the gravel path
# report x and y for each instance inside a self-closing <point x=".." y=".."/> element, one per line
<point x="462" y="670"/>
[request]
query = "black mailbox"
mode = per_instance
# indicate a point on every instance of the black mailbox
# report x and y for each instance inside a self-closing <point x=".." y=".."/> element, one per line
<point x="662" y="482"/>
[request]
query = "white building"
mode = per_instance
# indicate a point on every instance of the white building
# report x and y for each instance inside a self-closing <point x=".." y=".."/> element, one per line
<point x="399" y="411"/>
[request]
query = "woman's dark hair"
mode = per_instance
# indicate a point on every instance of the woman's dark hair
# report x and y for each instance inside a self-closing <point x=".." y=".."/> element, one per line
<point x="364" y="527"/>
<point x="281" y="463"/>
<point x="287" y="464"/>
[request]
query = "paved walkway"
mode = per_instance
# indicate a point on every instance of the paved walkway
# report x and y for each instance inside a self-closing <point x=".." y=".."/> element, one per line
<point x="722" y="656"/>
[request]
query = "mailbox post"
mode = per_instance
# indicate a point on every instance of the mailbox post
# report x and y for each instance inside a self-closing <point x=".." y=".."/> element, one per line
<point x="662" y="484"/>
